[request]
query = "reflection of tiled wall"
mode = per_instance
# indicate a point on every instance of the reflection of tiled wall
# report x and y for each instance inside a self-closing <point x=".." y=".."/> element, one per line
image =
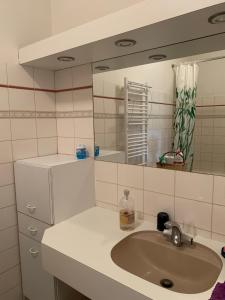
<point x="160" y="124"/>
<point x="109" y="119"/>
<point x="109" y="123"/>
<point x="74" y="109"/>
<point x="27" y="129"/>
<point x="209" y="137"/>
<point x="189" y="198"/>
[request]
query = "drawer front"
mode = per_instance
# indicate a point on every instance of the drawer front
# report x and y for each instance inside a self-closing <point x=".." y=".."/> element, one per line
<point x="31" y="227"/>
<point x="37" y="284"/>
<point x="33" y="192"/>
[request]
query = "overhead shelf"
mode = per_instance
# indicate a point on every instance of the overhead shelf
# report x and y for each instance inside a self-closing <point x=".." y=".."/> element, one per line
<point x="150" y="28"/>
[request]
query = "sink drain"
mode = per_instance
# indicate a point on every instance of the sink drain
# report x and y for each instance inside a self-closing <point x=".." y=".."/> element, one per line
<point x="166" y="283"/>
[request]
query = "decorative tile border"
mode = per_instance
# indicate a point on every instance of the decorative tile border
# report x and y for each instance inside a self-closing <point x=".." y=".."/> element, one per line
<point x="75" y="114"/>
<point x="46" y="114"/>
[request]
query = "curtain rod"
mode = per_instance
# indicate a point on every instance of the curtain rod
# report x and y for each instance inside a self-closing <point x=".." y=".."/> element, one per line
<point x="199" y="61"/>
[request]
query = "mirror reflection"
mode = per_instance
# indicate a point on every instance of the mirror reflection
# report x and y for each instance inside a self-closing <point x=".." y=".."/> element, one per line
<point x="168" y="114"/>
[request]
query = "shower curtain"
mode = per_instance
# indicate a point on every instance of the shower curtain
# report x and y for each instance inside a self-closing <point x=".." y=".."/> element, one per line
<point x="184" y="123"/>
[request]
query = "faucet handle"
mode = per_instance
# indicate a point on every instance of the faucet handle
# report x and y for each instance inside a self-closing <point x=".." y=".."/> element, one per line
<point x="171" y="224"/>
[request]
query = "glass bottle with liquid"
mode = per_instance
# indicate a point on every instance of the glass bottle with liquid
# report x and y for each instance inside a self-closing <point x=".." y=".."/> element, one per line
<point x="127" y="213"/>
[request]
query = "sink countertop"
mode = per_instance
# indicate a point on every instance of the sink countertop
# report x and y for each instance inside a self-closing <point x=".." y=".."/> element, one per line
<point x="78" y="251"/>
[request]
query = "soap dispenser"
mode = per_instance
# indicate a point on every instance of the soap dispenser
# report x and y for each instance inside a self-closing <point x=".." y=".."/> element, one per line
<point x="127" y="213"/>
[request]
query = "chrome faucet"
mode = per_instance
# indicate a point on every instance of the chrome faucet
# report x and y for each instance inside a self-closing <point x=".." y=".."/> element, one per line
<point x="175" y="234"/>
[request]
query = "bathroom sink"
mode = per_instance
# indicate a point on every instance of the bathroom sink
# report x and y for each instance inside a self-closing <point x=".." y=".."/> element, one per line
<point x="186" y="269"/>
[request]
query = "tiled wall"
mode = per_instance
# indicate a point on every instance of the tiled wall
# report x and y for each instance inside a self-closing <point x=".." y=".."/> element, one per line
<point x="192" y="199"/>
<point x="74" y="109"/>
<point x="27" y="129"/>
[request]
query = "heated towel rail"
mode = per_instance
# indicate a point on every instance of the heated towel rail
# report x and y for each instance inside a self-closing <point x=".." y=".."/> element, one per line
<point x="136" y="122"/>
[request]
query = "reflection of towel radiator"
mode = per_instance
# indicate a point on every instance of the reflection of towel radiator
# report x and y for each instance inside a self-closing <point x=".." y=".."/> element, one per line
<point x="136" y="122"/>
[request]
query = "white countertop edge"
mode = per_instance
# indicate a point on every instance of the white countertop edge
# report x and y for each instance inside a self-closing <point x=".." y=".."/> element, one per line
<point x="82" y="245"/>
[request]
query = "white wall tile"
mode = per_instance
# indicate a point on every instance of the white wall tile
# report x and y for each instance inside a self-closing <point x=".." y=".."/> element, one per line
<point x="8" y="238"/>
<point x="106" y="171"/>
<point x="44" y="79"/>
<point x="65" y="127"/>
<point x="23" y="129"/>
<point x="13" y="294"/>
<point x="64" y="101"/>
<point x="161" y="181"/>
<point x="82" y="76"/>
<point x="66" y="145"/>
<point x="218" y="219"/>
<point x="24" y="148"/>
<point x="5" y="129"/>
<point x="130" y="176"/>
<point x="5" y="151"/>
<point x="106" y="192"/>
<point x="20" y="76"/>
<point x="8" y="218"/>
<point x="3" y="73"/>
<point x="98" y="105"/>
<point x="45" y="101"/>
<point x="219" y="190"/>
<point x="99" y="125"/>
<point x="110" y="125"/>
<point x="4" y="99"/>
<point x="155" y="203"/>
<point x="82" y="100"/>
<point x="9" y="279"/>
<point x="63" y="79"/>
<point x="9" y="259"/>
<point x="7" y="195"/>
<point x="21" y="100"/>
<point x="136" y="194"/>
<point x="110" y="106"/>
<point x="84" y="128"/>
<point x="193" y="213"/>
<point x="46" y="127"/>
<point x="218" y="237"/>
<point x="47" y="146"/>
<point x="194" y="186"/>
<point x="6" y="174"/>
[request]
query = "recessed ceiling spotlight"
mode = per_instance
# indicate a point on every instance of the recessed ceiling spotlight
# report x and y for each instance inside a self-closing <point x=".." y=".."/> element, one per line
<point x="102" y="68"/>
<point x="157" y="57"/>
<point x="217" y="18"/>
<point x="125" y="43"/>
<point x="66" y="58"/>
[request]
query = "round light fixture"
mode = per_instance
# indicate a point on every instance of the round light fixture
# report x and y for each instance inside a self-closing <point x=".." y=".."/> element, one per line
<point x="102" y="68"/>
<point x="157" y="57"/>
<point x="66" y="58"/>
<point x="217" y="18"/>
<point x="125" y="43"/>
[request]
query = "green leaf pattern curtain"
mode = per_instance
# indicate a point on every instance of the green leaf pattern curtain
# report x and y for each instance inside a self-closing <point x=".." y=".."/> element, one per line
<point x="184" y="123"/>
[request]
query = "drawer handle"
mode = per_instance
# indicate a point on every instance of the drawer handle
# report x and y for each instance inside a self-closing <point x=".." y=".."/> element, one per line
<point x="31" y="208"/>
<point x="33" y="252"/>
<point x="33" y="230"/>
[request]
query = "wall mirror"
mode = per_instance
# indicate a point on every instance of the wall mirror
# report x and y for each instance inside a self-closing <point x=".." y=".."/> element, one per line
<point x="163" y="107"/>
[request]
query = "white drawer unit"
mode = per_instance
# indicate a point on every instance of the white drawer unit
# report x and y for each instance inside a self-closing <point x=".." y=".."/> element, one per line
<point x="49" y="189"/>
<point x="37" y="284"/>
<point x="54" y="188"/>
<point x="31" y="227"/>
